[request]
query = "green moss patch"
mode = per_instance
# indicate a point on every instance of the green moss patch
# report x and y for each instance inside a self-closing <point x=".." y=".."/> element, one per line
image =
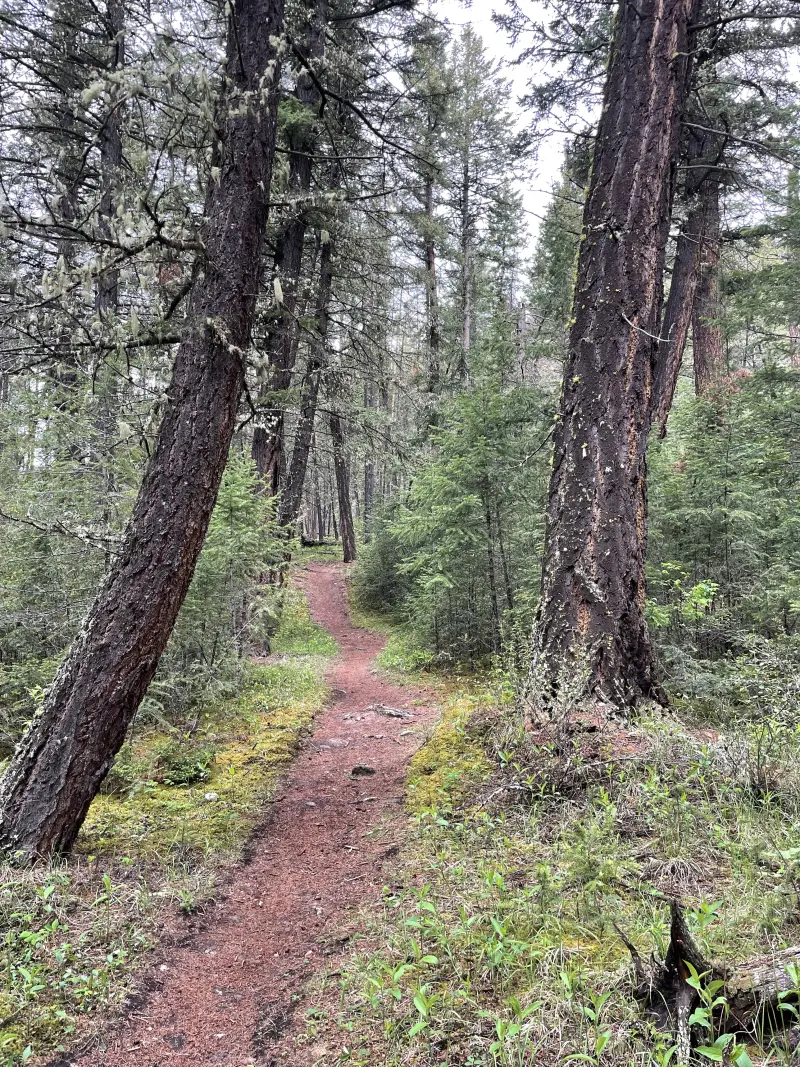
<point x="451" y="764"/>
<point x="200" y="793"/>
<point x="298" y="634"/>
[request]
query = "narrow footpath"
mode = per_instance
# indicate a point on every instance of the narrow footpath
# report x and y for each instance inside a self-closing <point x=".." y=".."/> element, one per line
<point x="226" y="998"/>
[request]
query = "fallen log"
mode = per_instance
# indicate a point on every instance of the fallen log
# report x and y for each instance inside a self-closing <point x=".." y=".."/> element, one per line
<point x="752" y="997"/>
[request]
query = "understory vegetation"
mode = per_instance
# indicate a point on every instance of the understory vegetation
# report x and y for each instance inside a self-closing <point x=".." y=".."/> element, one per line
<point x="724" y="550"/>
<point x="532" y="853"/>
<point x="183" y="796"/>
<point x="270" y="292"/>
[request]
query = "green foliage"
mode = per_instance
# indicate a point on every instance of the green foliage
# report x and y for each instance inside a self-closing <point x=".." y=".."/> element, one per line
<point x="725" y="516"/>
<point x="22" y="686"/>
<point x="298" y="634"/>
<point x="226" y="613"/>
<point x="500" y="930"/>
<point x="459" y="554"/>
<point x="178" y="804"/>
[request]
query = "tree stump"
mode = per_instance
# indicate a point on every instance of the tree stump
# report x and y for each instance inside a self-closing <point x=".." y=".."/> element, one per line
<point x="754" y="991"/>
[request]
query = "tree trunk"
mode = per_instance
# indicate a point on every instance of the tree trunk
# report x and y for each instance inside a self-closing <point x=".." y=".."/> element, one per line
<point x="708" y="342"/>
<point x="107" y="297"/>
<point x="504" y="560"/>
<point x="466" y="274"/>
<point x="369" y="471"/>
<point x="289" y="507"/>
<point x="492" y="575"/>
<point x="431" y="291"/>
<point x="283" y="336"/>
<point x="593" y="588"/>
<point x="70" y="745"/>
<point x="701" y="192"/>
<point x="343" y="489"/>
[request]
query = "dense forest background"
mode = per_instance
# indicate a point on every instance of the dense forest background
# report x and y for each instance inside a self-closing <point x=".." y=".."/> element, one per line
<point x="405" y="364"/>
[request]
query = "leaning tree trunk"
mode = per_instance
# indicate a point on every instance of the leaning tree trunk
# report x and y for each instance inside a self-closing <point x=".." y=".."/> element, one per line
<point x="69" y="746"/>
<point x="593" y="589"/>
<point x="343" y="488"/>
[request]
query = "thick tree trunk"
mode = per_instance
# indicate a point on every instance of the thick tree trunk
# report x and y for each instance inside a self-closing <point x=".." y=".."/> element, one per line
<point x="343" y="489"/>
<point x="708" y="342"/>
<point x="289" y="507"/>
<point x="69" y="747"/>
<point x="283" y="336"/>
<point x="593" y="589"/>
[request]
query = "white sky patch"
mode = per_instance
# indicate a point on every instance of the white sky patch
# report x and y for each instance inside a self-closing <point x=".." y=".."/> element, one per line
<point x="545" y="169"/>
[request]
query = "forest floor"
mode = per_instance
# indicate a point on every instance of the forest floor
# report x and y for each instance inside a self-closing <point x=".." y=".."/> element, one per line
<point x="409" y="904"/>
<point x="227" y="997"/>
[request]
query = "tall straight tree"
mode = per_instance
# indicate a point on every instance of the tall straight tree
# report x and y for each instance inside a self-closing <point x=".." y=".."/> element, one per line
<point x="71" y="743"/>
<point x="290" y="241"/>
<point x="593" y="590"/>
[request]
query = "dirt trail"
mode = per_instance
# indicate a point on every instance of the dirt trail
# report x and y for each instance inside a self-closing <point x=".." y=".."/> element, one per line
<point x="225" y="999"/>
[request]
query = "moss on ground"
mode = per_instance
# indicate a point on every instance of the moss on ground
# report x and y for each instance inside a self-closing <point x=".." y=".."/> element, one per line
<point x="233" y="753"/>
<point x="177" y="806"/>
<point x="452" y="763"/>
<point x="298" y="634"/>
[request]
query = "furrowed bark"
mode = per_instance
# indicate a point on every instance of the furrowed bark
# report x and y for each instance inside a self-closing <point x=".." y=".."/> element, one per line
<point x="708" y="342"/>
<point x="282" y="339"/>
<point x="701" y="193"/>
<point x="593" y="589"/>
<point x="70" y="745"/>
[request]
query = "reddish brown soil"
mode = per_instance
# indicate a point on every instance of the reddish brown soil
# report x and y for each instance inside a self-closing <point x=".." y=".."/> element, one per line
<point x="226" y="999"/>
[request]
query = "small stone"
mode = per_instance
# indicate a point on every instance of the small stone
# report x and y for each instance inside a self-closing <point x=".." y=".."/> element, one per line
<point x="211" y="796"/>
<point x="362" y="770"/>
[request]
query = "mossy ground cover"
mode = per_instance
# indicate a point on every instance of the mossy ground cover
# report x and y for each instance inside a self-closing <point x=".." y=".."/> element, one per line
<point x="498" y="944"/>
<point x="176" y="809"/>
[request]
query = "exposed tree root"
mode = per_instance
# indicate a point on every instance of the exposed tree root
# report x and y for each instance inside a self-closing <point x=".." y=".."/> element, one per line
<point x="753" y="993"/>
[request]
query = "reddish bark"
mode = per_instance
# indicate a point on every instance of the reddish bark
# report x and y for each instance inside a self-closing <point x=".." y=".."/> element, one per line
<point x="71" y="743"/>
<point x="593" y="590"/>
